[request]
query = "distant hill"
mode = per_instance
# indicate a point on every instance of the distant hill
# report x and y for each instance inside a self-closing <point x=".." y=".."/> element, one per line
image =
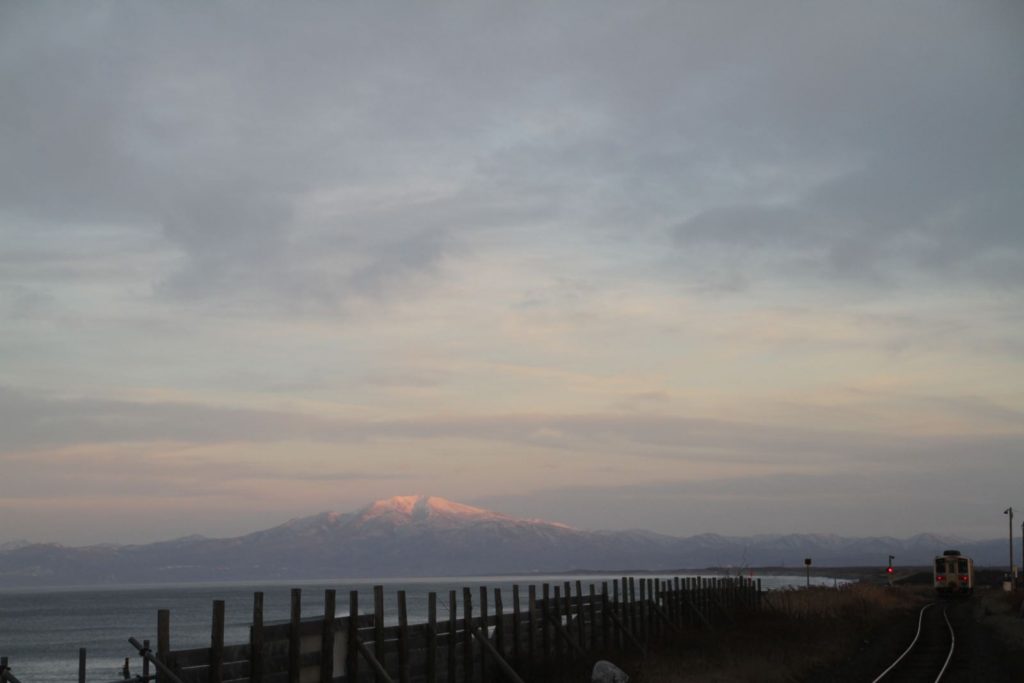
<point x="430" y="536"/>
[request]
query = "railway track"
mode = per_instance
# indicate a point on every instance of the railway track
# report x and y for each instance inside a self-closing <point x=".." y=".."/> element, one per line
<point x="928" y="656"/>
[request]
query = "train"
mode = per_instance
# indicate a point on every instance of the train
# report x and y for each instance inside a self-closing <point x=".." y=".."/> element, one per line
<point x="953" y="574"/>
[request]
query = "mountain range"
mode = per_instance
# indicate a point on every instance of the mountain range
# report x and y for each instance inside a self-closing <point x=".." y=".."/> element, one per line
<point x="409" y="536"/>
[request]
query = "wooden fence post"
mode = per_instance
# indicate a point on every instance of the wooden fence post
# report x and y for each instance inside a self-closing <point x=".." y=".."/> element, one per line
<point x="593" y="618"/>
<point x="622" y="604"/>
<point x="629" y="600"/>
<point x="516" y="630"/>
<point x="652" y="599"/>
<point x="617" y="611"/>
<point x="557" y="616"/>
<point x="352" y="637"/>
<point x="256" y="639"/>
<point x="567" y="606"/>
<point x="581" y="634"/>
<point x="545" y="629"/>
<point x="378" y="627"/>
<point x="163" y="636"/>
<point x="483" y="629"/>
<point x="295" y="637"/>
<point x="643" y="612"/>
<point x="677" y="616"/>
<point x="453" y="619"/>
<point x="674" y="599"/>
<point x="216" y="674"/>
<point x="499" y="623"/>
<point x="431" y="637"/>
<point x="531" y="622"/>
<point x="605" y="644"/>
<point x="705" y="598"/>
<point x="694" y="596"/>
<point x="467" y="634"/>
<point x="403" y="639"/>
<point x="659" y="625"/>
<point x="145" y="662"/>
<point x="327" y="637"/>
<point x="665" y="601"/>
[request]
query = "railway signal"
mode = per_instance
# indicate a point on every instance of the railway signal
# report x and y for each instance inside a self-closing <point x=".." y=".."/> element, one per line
<point x="889" y="570"/>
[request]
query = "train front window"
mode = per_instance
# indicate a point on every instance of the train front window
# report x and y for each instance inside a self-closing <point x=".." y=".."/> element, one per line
<point x="940" y="565"/>
<point x="961" y="566"/>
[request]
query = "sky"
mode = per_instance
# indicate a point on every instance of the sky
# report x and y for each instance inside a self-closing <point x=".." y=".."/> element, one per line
<point x="727" y="267"/>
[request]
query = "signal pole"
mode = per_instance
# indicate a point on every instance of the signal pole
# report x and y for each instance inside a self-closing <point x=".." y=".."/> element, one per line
<point x="1009" y="511"/>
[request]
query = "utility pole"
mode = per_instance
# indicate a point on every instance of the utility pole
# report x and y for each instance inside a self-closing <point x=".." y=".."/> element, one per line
<point x="1009" y="511"/>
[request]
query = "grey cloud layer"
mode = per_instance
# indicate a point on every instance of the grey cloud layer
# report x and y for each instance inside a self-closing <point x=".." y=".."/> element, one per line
<point x="846" y="501"/>
<point x="870" y="139"/>
<point x="29" y="423"/>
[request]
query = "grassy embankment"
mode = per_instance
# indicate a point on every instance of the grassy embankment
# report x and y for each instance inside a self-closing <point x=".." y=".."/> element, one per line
<point x="1003" y="615"/>
<point x="798" y="632"/>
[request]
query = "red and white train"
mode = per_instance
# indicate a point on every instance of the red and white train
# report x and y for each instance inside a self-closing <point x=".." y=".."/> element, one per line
<point x="954" y="574"/>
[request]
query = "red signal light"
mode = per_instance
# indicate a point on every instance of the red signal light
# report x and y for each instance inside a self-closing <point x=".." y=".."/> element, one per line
<point x="889" y="570"/>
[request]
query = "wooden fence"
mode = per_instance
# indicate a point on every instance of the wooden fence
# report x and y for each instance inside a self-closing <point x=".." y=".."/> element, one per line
<point x="481" y="637"/>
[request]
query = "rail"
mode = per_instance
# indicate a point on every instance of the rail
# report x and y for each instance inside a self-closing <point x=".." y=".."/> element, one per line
<point x="924" y="646"/>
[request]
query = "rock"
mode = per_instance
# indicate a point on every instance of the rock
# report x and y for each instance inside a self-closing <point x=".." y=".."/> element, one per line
<point x="606" y="672"/>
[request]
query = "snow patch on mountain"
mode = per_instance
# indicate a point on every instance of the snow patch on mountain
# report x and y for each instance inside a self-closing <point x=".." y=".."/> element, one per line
<point x="436" y="511"/>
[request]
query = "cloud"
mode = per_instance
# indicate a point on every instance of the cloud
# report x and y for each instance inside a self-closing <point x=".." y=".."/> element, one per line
<point x="217" y="130"/>
<point x="950" y="498"/>
<point x="926" y="158"/>
<point x="33" y="423"/>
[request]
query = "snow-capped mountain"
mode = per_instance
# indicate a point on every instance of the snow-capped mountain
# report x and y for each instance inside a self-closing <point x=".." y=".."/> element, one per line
<point x="430" y="536"/>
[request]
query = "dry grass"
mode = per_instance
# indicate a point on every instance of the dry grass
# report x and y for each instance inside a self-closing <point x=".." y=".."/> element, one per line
<point x="855" y="600"/>
<point x="798" y="632"/>
<point x="1003" y="613"/>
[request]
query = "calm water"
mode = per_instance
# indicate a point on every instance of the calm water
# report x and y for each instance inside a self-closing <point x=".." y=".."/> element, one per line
<point x="41" y="630"/>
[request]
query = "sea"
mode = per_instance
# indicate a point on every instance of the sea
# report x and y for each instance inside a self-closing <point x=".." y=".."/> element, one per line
<point x="41" y="630"/>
